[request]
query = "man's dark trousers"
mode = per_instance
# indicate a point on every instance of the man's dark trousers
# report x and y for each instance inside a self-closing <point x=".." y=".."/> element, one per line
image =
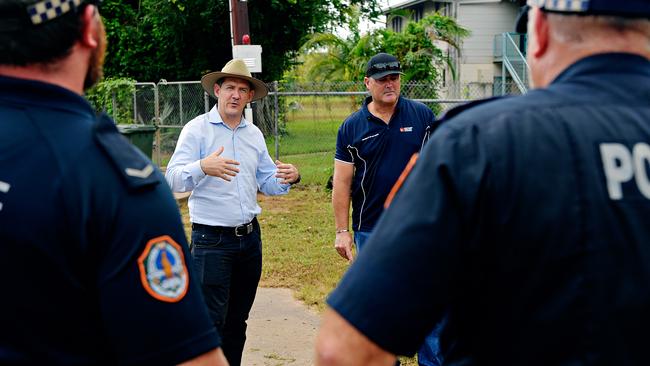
<point x="229" y="266"/>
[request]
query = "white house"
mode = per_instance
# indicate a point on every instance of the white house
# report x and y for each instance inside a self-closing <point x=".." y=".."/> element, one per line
<point x="480" y="63"/>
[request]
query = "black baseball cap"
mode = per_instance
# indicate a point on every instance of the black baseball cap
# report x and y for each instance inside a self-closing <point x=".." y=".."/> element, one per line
<point x="383" y="64"/>
<point x="622" y="8"/>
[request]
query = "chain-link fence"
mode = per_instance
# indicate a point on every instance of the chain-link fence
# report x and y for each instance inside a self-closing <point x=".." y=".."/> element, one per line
<point x="295" y="118"/>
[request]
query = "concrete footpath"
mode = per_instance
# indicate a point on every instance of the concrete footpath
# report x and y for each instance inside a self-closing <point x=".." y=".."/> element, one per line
<point x="281" y="330"/>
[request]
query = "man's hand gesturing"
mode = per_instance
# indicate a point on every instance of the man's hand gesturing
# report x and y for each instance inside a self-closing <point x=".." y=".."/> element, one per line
<point x="287" y="172"/>
<point x="217" y="166"/>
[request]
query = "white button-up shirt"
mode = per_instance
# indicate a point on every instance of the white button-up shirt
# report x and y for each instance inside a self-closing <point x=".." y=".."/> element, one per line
<point x="214" y="201"/>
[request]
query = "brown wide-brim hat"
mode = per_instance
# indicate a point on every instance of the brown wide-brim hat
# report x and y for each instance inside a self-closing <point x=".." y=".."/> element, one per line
<point x="235" y="68"/>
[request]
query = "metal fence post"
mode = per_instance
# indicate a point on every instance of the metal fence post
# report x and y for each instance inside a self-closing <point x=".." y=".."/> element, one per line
<point x="206" y="102"/>
<point x="504" y="52"/>
<point x="114" y="105"/>
<point x="157" y="123"/>
<point x="135" y="105"/>
<point x="275" y="124"/>
<point x="180" y="104"/>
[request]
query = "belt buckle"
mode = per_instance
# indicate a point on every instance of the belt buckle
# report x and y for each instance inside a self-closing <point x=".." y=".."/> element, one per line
<point x="248" y="229"/>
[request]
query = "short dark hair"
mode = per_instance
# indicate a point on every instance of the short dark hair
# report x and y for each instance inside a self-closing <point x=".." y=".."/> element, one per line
<point x="23" y="43"/>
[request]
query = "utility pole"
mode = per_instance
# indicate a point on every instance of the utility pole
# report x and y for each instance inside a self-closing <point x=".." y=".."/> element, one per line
<point x="241" y="40"/>
<point x="239" y="28"/>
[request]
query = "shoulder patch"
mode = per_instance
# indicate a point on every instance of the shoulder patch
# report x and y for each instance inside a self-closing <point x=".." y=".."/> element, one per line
<point x="135" y="169"/>
<point x="461" y="108"/>
<point x="163" y="271"/>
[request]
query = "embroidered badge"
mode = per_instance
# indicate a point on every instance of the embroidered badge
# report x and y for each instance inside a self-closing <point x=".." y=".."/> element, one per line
<point x="162" y="269"/>
<point x="406" y="129"/>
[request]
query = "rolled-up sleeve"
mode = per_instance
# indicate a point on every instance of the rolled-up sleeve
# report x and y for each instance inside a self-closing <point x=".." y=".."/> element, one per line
<point x="267" y="182"/>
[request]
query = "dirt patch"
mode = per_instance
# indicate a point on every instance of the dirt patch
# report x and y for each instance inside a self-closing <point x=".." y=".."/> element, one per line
<point x="281" y="330"/>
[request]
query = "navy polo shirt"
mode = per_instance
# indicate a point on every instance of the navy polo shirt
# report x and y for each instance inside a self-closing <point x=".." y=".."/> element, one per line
<point x="93" y="254"/>
<point x="526" y="223"/>
<point x="379" y="152"/>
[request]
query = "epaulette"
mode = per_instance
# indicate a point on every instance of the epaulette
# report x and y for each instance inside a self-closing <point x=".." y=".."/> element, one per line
<point x="133" y="166"/>
<point x="461" y="108"/>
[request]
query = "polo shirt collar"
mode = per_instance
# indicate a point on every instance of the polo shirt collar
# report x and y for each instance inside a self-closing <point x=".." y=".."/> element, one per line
<point x="215" y="118"/>
<point x="367" y="101"/>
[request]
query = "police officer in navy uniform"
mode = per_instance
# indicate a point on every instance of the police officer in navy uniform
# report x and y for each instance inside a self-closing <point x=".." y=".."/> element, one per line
<point x="93" y="256"/>
<point x="526" y="220"/>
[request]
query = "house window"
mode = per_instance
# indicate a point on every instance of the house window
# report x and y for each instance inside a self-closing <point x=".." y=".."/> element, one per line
<point x="397" y="24"/>
<point x="418" y="13"/>
<point x="441" y="8"/>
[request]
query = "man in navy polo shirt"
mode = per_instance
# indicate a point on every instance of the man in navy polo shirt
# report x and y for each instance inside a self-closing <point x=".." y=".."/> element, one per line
<point x="526" y="220"/>
<point x="93" y="255"/>
<point x="373" y="147"/>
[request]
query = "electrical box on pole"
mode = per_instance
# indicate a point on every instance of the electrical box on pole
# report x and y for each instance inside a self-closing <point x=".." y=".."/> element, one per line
<point x="251" y="54"/>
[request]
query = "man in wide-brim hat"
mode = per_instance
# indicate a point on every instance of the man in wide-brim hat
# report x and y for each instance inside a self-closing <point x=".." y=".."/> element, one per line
<point x="223" y="160"/>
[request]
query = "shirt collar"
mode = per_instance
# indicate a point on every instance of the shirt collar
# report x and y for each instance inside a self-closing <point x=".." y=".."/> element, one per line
<point x="611" y="63"/>
<point x="43" y="94"/>
<point x="215" y="118"/>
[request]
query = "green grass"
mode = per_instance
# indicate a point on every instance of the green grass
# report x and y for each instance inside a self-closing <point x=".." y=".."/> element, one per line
<point x="306" y="137"/>
<point x="315" y="168"/>
<point x="298" y="244"/>
<point x="316" y="108"/>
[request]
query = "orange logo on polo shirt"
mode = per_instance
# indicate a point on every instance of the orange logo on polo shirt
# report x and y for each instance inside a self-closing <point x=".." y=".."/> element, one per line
<point x="406" y="129"/>
<point x="162" y="269"/>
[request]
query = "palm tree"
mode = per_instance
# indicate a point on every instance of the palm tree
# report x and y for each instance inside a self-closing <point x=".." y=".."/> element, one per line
<point x="328" y="57"/>
<point x="445" y="29"/>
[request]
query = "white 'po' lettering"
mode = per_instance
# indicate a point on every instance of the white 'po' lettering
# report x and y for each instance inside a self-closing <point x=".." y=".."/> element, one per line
<point x="4" y="188"/>
<point x="620" y="165"/>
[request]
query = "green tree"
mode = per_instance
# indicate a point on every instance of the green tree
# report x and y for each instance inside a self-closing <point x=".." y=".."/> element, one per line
<point x="182" y="39"/>
<point x="328" y="57"/>
<point x="332" y="58"/>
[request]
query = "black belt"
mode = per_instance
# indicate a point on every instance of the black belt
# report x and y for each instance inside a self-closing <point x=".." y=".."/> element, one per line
<point x="240" y="230"/>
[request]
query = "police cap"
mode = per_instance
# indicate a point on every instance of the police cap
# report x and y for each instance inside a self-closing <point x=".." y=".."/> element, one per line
<point x="38" y="12"/>
<point x="622" y="8"/>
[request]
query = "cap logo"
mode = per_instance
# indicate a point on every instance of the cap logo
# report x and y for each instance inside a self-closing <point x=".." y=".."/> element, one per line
<point x="561" y="5"/>
<point x="162" y="269"/>
<point x="46" y="10"/>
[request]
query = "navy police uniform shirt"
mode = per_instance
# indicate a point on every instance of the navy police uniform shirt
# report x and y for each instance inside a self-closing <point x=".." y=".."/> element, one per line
<point x="93" y="256"/>
<point x="379" y="152"/>
<point x="526" y="221"/>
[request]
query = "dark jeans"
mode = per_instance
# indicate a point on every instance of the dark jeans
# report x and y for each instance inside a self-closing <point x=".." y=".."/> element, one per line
<point x="360" y="239"/>
<point x="229" y="268"/>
